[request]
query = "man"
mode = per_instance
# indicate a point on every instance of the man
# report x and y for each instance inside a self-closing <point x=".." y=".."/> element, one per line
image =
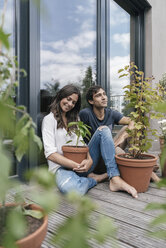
<point x="98" y="114"/>
<point x="97" y="117"/>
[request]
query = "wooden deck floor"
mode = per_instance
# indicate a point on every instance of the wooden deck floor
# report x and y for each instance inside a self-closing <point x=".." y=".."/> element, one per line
<point x="129" y="216"/>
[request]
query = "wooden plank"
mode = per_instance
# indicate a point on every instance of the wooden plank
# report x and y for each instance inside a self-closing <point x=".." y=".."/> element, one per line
<point x="151" y="190"/>
<point x="130" y="203"/>
<point x="127" y="234"/>
<point x="56" y="219"/>
<point x="128" y="214"/>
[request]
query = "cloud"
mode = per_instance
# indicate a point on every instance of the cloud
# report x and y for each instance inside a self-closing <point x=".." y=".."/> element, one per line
<point x="117" y="83"/>
<point x="48" y="57"/>
<point x="75" y="44"/>
<point x="88" y="9"/>
<point x="66" y="61"/>
<point x="122" y="39"/>
<point x="64" y="67"/>
<point x="63" y="73"/>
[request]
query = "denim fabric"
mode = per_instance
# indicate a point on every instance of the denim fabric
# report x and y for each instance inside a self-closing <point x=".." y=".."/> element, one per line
<point x="101" y="144"/>
<point x="68" y="180"/>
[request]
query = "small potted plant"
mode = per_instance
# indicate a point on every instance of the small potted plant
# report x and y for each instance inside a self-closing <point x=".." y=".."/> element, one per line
<point x="77" y="153"/>
<point x="136" y="167"/>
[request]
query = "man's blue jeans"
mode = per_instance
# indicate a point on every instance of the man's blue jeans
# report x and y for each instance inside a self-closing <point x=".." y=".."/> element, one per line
<point x="101" y="144"/>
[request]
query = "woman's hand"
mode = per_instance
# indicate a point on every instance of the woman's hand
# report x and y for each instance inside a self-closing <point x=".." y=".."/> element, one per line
<point x="84" y="166"/>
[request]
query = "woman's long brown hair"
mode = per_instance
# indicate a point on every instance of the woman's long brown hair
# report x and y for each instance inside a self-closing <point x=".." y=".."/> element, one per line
<point x="55" y="108"/>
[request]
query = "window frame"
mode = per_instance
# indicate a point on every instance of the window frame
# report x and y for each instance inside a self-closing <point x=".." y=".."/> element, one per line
<point x="28" y="51"/>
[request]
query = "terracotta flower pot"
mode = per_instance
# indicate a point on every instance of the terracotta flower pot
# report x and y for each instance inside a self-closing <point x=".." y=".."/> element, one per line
<point x="35" y="239"/>
<point x="136" y="172"/>
<point x="74" y="153"/>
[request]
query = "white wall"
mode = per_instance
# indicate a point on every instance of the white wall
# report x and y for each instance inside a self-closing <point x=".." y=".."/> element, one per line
<point x="155" y="45"/>
<point x="155" y="35"/>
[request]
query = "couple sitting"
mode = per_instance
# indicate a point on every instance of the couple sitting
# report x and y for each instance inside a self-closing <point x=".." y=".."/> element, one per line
<point x="69" y="174"/>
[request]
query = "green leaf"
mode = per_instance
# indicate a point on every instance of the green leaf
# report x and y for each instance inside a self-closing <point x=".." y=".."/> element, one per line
<point x="120" y="70"/>
<point x="123" y="75"/>
<point x="5" y="165"/>
<point x="161" y="107"/>
<point x="13" y="218"/>
<point x="43" y="177"/>
<point x="35" y="138"/>
<point x="105" y="228"/>
<point x="159" y="234"/>
<point x="154" y="206"/>
<point x="4" y="38"/>
<point x="159" y="220"/>
<point x="48" y="200"/>
<point x="34" y="213"/>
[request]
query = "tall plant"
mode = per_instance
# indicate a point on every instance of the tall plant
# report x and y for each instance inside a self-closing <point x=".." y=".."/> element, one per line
<point x="141" y="97"/>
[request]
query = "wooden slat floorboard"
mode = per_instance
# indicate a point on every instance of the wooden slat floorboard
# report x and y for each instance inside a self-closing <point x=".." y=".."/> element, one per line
<point x="128" y="214"/>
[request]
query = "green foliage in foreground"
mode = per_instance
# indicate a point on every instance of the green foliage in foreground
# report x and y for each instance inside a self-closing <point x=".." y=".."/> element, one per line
<point x="75" y="232"/>
<point x="160" y="232"/>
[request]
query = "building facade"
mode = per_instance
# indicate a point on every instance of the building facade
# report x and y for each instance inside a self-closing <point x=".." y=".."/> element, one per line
<point x="59" y="42"/>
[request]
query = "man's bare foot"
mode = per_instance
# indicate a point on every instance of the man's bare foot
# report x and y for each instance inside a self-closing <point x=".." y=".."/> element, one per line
<point x="117" y="183"/>
<point x="98" y="178"/>
<point x="155" y="178"/>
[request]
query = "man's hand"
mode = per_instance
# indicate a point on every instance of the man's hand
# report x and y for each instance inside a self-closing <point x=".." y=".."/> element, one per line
<point x="84" y="166"/>
<point x="122" y="134"/>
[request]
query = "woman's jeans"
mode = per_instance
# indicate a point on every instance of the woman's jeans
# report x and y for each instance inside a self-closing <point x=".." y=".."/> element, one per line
<point x="101" y="144"/>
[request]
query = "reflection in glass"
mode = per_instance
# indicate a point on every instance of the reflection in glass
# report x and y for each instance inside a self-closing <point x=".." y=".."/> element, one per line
<point x="119" y="52"/>
<point x="68" y="43"/>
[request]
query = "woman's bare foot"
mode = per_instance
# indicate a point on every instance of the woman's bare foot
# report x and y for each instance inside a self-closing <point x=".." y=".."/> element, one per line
<point x="98" y="178"/>
<point x="117" y="183"/>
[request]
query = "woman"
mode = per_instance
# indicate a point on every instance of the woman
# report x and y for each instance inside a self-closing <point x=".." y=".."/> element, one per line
<point x="65" y="109"/>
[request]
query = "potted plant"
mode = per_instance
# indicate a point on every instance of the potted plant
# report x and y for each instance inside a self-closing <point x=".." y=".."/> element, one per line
<point x="136" y="167"/>
<point x="77" y="153"/>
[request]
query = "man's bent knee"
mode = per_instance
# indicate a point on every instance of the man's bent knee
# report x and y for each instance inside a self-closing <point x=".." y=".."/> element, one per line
<point x="101" y="127"/>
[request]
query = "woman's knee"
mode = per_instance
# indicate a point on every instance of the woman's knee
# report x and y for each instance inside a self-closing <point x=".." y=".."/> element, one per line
<point x="71" y="182"/>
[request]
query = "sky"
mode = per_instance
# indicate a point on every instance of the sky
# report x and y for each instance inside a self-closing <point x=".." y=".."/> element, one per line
<point x="68" y="41"/>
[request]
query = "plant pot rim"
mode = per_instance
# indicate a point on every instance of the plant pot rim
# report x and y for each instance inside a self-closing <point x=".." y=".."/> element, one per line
<point x="75" y="146"/>
<point x="75" y="149"/>
<point x="35" y="233"/>
<point x="44" y="225"/>
<point x="130" y="162"/>
<point x="151" y="156"/>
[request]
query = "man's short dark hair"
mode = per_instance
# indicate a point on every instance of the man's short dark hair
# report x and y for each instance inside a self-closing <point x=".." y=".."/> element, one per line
<point x="91" y="91"/>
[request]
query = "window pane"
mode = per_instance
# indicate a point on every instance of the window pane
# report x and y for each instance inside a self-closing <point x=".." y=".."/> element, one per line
<point x="68" y="44"/>
<point x="119" y="52"/>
